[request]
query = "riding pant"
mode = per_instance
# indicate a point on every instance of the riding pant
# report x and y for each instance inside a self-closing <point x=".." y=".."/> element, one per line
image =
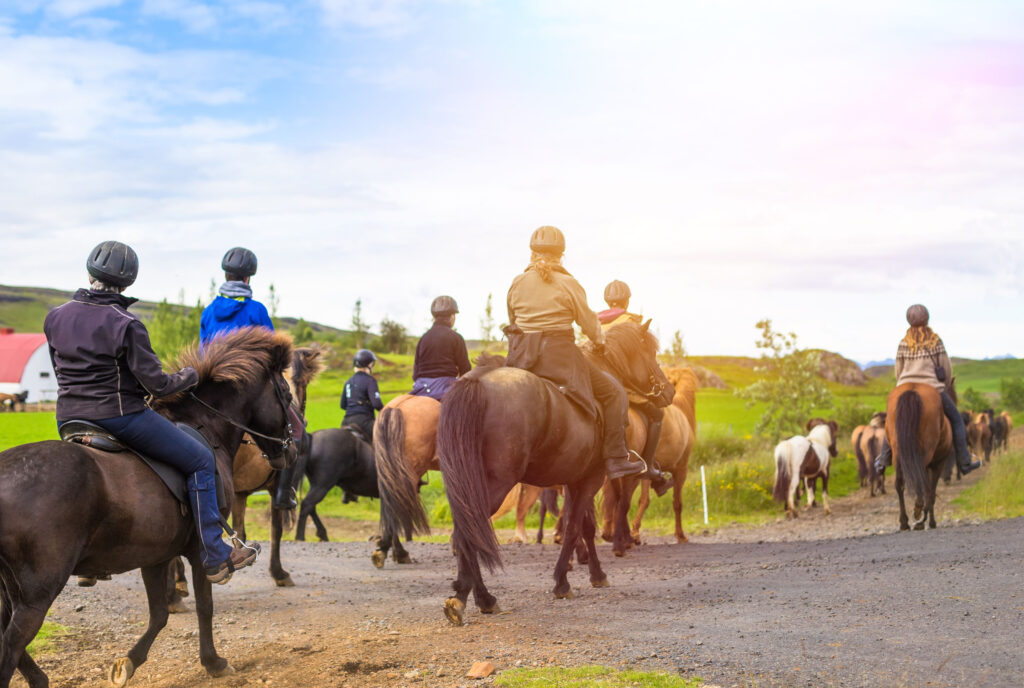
<point x="612" y="398"/>
<point x="153" y="435"/>
<point x="361" y="421"/>
<point x="956" y="423"/>
<point x="433" y="387"/>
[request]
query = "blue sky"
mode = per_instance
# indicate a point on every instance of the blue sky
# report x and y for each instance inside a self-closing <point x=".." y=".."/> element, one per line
<point x="822" y="164"/>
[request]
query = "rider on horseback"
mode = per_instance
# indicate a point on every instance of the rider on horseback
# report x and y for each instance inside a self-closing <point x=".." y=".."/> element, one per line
<point x="617" y="295"/>
<point x="106" y="367"/>
<point x="543" y="303"/>
<point x="234" y="306"/>
<point x="361" y="396"/>
<point x="921" y="357"/>
<point x="441" y="355"/>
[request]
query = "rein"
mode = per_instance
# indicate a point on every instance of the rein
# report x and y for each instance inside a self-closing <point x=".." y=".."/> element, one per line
<point x="285" y="442"/>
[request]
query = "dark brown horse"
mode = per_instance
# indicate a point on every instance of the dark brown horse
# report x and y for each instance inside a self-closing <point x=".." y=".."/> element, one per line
<point x="500" y="426"/>
<point x="69" y="509"/>
<point x="921" y="440"/>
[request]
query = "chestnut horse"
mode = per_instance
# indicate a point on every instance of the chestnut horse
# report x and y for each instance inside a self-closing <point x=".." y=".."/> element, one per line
<point x="499" y="426"/>
<point x="678" y="437"/>
<point x="69" y="509"/>
<point x="921" y="439"/>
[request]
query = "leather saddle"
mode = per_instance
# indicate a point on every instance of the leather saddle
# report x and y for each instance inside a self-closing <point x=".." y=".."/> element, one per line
<point x="92" y="435"/>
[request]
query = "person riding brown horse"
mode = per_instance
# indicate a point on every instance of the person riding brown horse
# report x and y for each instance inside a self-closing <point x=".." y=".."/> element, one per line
<point x="543" y="303"/>
<point x="921" y="358"/>
<point x="617" y="295"/>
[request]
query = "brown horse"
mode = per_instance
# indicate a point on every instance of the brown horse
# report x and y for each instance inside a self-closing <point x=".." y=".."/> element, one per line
<point x="921" y="440"/>
<point x="678" y="437"/>
<point x="868" y="447"/>
<point x="11" y="401"/>
<point x="499" y="426"/>
<point x="862" y="466"/>
<point x="979" y="436"/>
<point x="69" y="509"/>
<point x="522" y="497"/>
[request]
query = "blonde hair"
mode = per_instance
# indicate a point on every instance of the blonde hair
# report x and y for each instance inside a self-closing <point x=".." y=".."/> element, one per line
<point x="921" y="337"/>
<point x="544" y="263"/>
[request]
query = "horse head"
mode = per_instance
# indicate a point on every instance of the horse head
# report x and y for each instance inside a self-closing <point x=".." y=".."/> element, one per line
<point x="631" y="352"/>
<point x="833" y="430"/>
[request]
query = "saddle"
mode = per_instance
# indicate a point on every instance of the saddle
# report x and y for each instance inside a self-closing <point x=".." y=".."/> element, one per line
<point x="92" y="435"/>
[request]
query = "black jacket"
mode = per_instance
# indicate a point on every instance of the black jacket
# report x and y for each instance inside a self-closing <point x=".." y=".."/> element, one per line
<point x="104" y="362"/>
<point x="441" y="352"/>
<point x="361" y="395"/>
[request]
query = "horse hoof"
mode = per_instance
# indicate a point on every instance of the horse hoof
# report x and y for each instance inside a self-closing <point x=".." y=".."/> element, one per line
<point x="378" y="558"/>
<point x="181" y="587"/>
<point x="300" y="538"/>
<point x="454" y="609"/>
<point x="86" y="581"/>
<point x="226" y="670"/>
<point x="904" y="526"/>
<point x="619" y="552"/>
<point x="607" y="537"/>
<point x="403" y="559"/>
<point x="828" y="512"/>
<point x="493" y="609"/>
<point x="680" y="539"/>
<point x="120" y="672"/>
<point x="919" y="526"/>
<point x="285" y="582"/>
<point x="603" y="583"/>
<point x="567" y="595"/>
<point x="176" y="607"/>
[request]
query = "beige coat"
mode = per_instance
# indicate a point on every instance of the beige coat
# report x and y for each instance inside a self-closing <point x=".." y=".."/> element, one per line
<point x="538" y="306"/>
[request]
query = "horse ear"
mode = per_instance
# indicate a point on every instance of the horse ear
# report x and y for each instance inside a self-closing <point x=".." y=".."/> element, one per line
<point x="646" y="326"/>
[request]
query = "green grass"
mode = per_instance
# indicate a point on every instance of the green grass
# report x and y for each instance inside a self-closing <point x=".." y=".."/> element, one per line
<point x="22" y="428"/>
<point x="597" y="676"/>
<point x="984" y="376"/>
<point x="47" y="639"/>
<point x="1000" y="492"/>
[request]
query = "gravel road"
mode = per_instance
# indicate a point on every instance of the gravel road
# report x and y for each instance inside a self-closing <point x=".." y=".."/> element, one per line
<point x="842" y="600"/>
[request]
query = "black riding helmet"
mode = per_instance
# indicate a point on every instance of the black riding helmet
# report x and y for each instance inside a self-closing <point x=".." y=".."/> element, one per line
<point x="364" y="358"/>
<point x="239" y="261"/>
<point x="114" y="263"/>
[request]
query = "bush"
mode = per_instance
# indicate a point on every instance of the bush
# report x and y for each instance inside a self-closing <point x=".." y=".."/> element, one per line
<point x="851" y="413"/>
<point x="1012" y="393"/>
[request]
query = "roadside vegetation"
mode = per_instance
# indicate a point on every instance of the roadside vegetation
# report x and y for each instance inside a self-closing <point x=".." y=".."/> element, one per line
<point x="1001" y="493"/>
<point x="597" y="676"/>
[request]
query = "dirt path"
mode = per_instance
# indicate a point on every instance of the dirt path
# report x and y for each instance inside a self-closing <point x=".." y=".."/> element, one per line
<point x="844" y="600"/>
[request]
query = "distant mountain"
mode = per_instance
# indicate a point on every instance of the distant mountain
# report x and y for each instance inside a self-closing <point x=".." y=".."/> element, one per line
<point x="1004" y="357"/>
<point x="876" y="364"/>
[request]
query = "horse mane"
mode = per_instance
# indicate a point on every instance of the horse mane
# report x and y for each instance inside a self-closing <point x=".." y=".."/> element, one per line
<point x="623" y="341"/>
<point x="818" y="430"/>
<point x="235" y="358"/>
<point x="307" y="363"/>
<point x="488" y="360"/>
<point x="686" y="384"/>
<point x="878" y="420"/>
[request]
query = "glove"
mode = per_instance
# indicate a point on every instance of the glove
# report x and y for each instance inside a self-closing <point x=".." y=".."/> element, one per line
<point x="190" y="377"/>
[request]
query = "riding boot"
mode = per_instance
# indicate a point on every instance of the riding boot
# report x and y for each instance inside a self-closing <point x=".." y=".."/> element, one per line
<point x="284" y="496"/>
<point x="884" y="457"/>
<point x="956" y="422"/>
<point x="661" y="482"/>
<point x="625" y="466"/>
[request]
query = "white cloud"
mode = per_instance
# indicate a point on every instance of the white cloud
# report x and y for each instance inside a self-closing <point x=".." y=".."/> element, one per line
<point x="195" y="16"/>
<point x="386" y="16"/>
<point x="69" y="9"/>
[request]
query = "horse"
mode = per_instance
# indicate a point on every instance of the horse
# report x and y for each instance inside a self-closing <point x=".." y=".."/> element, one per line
<point x="921" y="439"/>
<point x="11" y="401"/>
<point x="808" y="458"/>
<point x="1005" y="415"/>
<point x="678" y="437"/>
<point x="501" y="425"/>
<point x="70" y="509"/>
<point x="1000" y="431"/>
<point x="337" y="456"/>
<point x="868" y="447"/>
<point x="979" y="436"/>
<point x="522" y="497"/>
<point x="862" y="462"/>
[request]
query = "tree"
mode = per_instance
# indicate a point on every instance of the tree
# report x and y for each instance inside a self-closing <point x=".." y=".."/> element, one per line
<point x="174" y="327"/>
<point x="302" y="333"/>
<point x="487" y="324"/>
<point x="789" y="384"/>
<point x="272" y="301"/>
<point x="1012" y="393"/>
<point x="973" y="400"/>
<point x="359" y="326"/>
<point x="676" y="353"/>
<point x="392" y="336"/>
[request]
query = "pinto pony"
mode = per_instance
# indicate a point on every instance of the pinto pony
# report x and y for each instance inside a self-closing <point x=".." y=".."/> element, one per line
<point x="921" y="439"/>
<point x="499" y="426"/>
<point x="806" y="458"/>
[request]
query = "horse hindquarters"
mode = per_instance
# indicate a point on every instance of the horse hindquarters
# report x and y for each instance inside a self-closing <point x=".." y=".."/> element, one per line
<point x="908" y="456"/>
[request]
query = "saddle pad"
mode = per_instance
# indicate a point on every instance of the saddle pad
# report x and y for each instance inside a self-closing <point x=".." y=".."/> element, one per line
<point x="92" y="435"/>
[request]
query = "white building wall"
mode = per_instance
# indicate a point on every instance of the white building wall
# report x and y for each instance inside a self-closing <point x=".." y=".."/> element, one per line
<point x="38" y="377"/>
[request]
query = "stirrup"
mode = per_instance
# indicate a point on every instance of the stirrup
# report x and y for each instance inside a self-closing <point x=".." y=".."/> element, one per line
<point x="633" y="453"/>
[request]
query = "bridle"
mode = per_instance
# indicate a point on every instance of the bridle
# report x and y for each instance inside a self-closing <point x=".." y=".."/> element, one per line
<point x="285" y="442"/>
<point x="657" y="387"/>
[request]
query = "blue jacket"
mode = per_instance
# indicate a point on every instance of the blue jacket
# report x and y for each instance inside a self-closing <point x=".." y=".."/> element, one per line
<point x="225" y="314"/>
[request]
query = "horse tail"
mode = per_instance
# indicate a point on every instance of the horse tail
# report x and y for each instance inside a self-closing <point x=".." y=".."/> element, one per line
<point x="401" y="510"/>
<point x="780" y="492"/>
<point x="460" y="449"/>
<point x="909" y="454"/>
<point x="874" y="449"/>
<point x="549" y="498"/>
<point x="862" y="466"/>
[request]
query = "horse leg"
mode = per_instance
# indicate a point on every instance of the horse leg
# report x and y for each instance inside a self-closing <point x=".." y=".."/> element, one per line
<point x="930" y="503"/>
<point x="622" y="540"/>
<point x="573" y="514"/>
<point x="175" y="605"/>
<point x="543" y="511"/>
<point x="455" y="607"/>
<point x="794" y="483"/>
<point x="155" y="580"/>
<point x="609" y="499"/>
<point x="824" y="494"/>
<point x="810" y="484"/>
<point x="641" y="509"/>
<point x="384" y="542"/>
<point x="401" y="555"/>
<point x="904" y="521"/>
<point x="281" y="577"/>
<point x="677" y="506"/>
<point x="238" y="513"/>
<point x="598" y="579"/>
<point x="321" y="529"/>
<point x="215" y="665"/>
<point x="21" y="623"/>
<point x="527" y="496"/>
<point x="313" y="497"/>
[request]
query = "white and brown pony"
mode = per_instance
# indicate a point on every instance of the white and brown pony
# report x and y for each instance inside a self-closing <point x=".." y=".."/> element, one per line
<point x="807" y="458"/>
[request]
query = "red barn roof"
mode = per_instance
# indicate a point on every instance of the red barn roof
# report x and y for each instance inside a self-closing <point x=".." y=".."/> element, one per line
<point x="15" y="350"/>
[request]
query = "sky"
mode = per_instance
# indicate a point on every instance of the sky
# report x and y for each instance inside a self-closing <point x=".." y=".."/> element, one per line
<point x="818" y="163"/>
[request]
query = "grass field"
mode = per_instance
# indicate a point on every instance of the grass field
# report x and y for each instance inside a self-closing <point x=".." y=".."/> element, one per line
<point x="1001" y="493"/>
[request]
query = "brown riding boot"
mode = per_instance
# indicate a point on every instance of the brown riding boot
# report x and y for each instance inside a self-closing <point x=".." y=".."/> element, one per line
<point x="240" y="558"/>
<point x="625" y="466"/>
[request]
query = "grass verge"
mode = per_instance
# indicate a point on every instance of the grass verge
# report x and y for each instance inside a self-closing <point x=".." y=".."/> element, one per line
<point x="603" y="677"/>
<point x="1000" y="493"/>
<point x="47" y="639"/>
